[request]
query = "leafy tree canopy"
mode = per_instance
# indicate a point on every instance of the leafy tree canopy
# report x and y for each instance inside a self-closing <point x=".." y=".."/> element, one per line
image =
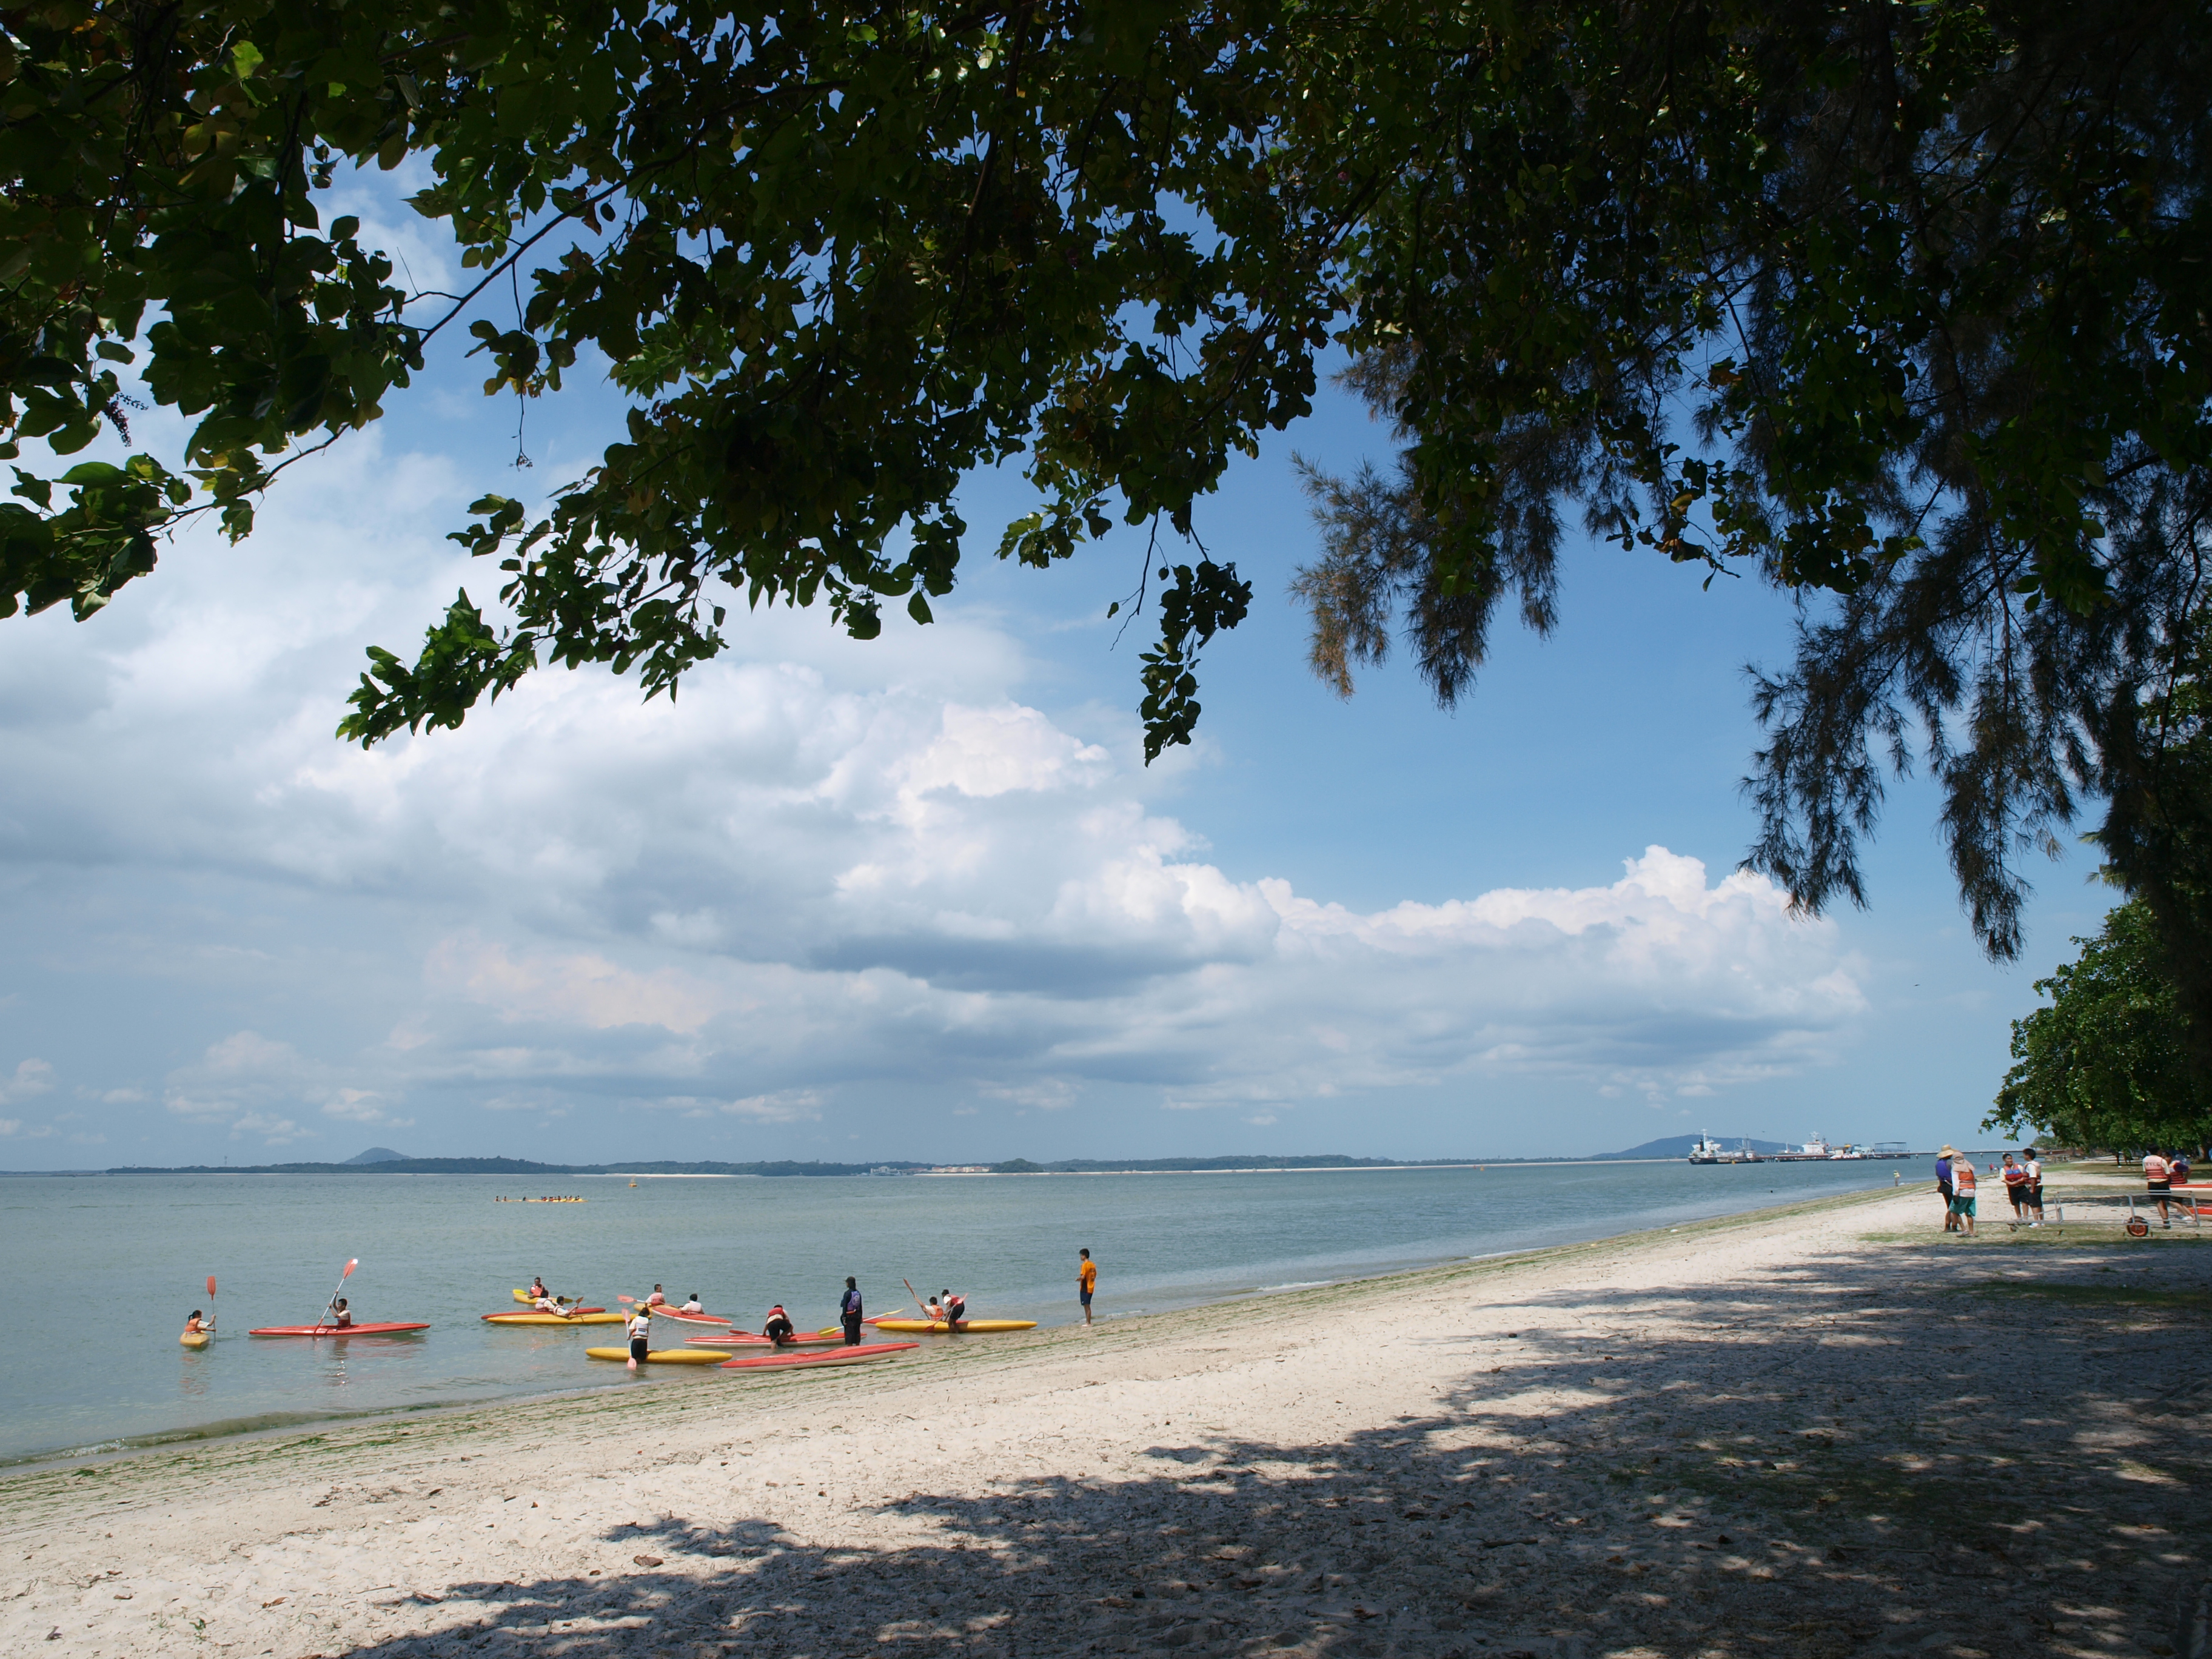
<point x="2106" y="1064"/>
<point x="1906" y="304"/>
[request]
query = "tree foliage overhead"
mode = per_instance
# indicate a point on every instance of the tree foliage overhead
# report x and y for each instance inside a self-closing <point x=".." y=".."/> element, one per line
<point x="2107" y="1065"/>
<point x="1904" y="304"/>
<point x="1923" y="293"/>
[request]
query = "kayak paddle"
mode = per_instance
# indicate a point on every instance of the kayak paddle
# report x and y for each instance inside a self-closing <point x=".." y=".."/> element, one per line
<point x="331" y="1307"/>
<point x="210" y="1324"/>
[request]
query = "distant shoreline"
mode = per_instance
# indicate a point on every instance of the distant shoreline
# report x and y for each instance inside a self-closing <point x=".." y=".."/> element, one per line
<point x="520" y="1169"/>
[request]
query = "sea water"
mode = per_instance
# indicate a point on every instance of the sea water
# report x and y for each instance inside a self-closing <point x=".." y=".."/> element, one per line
<point x="102" y="1269"/>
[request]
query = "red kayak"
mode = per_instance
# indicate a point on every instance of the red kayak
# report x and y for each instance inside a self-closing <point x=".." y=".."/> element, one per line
<point x="664" y="1312"/>
<point x="337" y="1330"/>
<point x="837" y="1356"/>
<point x="747" y="1339"/>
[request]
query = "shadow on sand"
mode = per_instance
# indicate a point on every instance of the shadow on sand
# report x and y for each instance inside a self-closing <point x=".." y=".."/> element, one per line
<point x="1941" y="1450"/>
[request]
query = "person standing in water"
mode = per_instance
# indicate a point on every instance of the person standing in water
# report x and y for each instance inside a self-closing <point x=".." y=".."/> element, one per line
<point x="640" y="1327"/>
<point x="1086" y="1281"/>
<point x="848" y="1312"/>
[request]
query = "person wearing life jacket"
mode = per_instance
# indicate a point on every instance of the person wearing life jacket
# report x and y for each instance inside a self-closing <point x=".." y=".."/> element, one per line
<point x="195" y="1326"/>
<point x="656" y="1300"/>
<point x="955" y="1309"/>
<point x="1962" y="1195"/>
<point x="778" y="1329"/>
<point x="639" y="1327"/>
<point x="848" y="1312"/>
<point x="538" y="1288"/>
<point x="341" y="1315"/>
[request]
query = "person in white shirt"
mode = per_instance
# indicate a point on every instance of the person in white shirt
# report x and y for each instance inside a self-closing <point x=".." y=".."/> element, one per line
<point x="2158" y="1175"/>
<point x="2032" y="1194"/>
<point x="640" y="1327"/>
<point x="691" y="1304"/>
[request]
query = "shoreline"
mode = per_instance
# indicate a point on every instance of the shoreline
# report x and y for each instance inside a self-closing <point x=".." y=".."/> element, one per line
<point x="122" y="1447"/>
<point x="1770" y="1431"/>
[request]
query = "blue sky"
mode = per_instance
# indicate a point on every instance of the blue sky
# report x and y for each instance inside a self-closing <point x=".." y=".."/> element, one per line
<point x="920" y="898"/>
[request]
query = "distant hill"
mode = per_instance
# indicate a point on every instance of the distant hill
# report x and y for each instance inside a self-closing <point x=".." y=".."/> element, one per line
<point x="1679" y="1146"/>
<point x="379" y="1155"/>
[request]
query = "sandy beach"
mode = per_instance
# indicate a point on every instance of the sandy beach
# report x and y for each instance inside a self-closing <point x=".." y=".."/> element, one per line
<point x="1824" y="1431"/>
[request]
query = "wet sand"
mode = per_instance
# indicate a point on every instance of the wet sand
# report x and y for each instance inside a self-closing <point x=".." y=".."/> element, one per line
<point x="1824" y="1431"/>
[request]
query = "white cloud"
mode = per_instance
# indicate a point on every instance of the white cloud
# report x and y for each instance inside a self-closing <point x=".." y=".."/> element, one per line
<point x="32" y="1078"/>
<point x="828" y="876"/>
<point x="273" y="1131"/>
<point x="786" y="1106"/>
<point x="363" y="1106"/>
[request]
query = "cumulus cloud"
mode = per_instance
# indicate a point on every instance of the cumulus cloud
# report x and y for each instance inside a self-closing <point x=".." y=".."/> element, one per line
<point x="828" y="876"/>
<point x="32" y="1078"/>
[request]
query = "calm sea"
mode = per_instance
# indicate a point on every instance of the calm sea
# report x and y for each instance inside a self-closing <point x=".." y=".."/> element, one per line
<point x="118" y="1262"/>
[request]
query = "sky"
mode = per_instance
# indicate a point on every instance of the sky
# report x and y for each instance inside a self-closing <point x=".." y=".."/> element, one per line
<point x="919" y="897"/>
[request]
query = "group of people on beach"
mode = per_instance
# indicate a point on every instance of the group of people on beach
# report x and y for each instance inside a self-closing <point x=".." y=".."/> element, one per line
<point x="1956" y="1181"/>
<point x="2163" y="1170"/>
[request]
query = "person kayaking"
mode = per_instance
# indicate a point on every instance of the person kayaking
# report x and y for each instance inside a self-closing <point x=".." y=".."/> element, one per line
<point x="341" y="1314"/>
<point x="848" y="1312"/>
<point x="551" y="1304"/>
<point x="656" y="1300"/>
<point x="779" y="1329"/>
<point x="640" y="1328"/>
<point x="953" y="1309"/>
<point x="195" y="1326"/>
<point x="537" y="1287"/>
<point x="692" y="1305"/>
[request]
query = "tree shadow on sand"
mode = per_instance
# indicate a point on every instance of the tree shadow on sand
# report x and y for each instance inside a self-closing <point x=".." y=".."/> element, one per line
<point x="1931" y="1451"/>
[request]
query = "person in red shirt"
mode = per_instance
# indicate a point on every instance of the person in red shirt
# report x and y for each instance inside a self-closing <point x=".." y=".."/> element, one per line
<point x="2015" y="1186"/>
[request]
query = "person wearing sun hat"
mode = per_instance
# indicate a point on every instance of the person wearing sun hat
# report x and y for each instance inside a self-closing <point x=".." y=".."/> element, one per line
<point x="1943" y="1188"/>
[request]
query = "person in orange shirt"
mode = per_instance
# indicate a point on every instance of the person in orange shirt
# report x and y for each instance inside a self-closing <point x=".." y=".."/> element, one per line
<point x="1962" y="1192"/>
<point x="1086" y="1281"/>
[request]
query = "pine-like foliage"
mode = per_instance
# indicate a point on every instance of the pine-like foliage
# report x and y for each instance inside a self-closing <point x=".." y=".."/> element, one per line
<point x="1921" y="293"/>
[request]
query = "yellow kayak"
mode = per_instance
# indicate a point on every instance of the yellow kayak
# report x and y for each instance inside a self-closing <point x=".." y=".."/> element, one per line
<point x="195" y="1338"/>
<point x="604" y="1316"/>
<point x="968" y="1327"/>
<point x="664" y="1356"/>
